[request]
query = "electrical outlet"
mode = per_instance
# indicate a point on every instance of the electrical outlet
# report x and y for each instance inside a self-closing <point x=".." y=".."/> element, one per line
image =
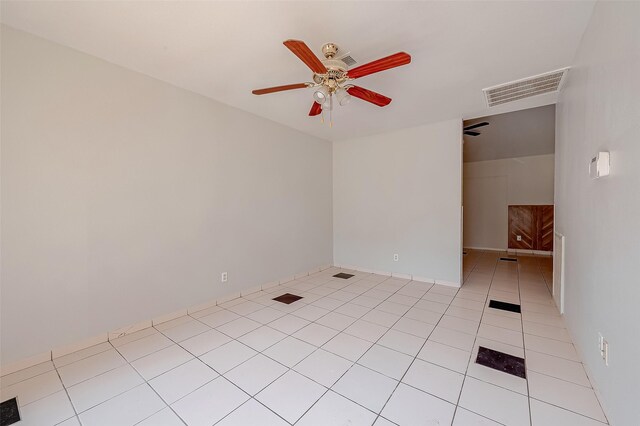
<point x="395" y="257"/>
<point x="519" y="238"/>
<point x="224" y="277"/>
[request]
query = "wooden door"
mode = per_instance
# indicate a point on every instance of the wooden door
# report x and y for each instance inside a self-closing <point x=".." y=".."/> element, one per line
<point x="534" y="225"/>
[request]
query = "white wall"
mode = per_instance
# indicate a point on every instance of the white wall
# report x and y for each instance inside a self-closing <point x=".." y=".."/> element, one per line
<point x="124" y="198"/>
<point x="491" y="186"/>
<point x="599" y="109"/>
<point x="400" y="192"/>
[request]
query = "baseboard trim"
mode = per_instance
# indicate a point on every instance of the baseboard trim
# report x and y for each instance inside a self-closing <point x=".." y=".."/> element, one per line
<point x="132" y="328"/>
<point x="400" y="275"/>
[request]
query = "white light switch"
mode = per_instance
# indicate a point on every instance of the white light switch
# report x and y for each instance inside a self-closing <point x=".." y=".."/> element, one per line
<point x="599" y="165"/>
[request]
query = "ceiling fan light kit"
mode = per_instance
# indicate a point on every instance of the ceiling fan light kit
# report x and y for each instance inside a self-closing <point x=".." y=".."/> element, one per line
<point x="332" y="76"/>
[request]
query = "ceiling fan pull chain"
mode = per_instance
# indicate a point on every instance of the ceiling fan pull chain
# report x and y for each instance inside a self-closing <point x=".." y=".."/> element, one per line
<point x="331" y="110"/>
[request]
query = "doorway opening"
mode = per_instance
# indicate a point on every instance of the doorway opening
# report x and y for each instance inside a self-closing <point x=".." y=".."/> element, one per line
<point x="508" y="196"/>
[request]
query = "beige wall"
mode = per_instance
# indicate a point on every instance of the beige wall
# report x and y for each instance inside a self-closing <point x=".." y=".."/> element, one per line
<point x="599" y="110"/>
<point x="400" y="192"/>
<point x="124" y="198"/>
<point x="491" y="186"/>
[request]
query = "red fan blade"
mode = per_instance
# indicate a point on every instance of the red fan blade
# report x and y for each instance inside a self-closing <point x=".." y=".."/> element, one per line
<point x="316" y="109"/>
<point x="302" y="51"/>
<point x="369" y="96"/>
<point x="279" y="88"/>
<point x="392" y="61"/>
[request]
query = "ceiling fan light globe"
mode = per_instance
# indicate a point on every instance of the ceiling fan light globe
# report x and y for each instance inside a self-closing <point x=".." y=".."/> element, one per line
<point x="343" y="97"/>
<point x="321" y="95"/>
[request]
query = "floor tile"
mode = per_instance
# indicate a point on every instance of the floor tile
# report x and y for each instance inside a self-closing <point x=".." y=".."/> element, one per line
<point x="386" y="361"/>
<point x="252" y="413"/>
<point x="382" y="318"/>
<point x="336" y="321"/>
<point x="543" y="414"/>
<point x="127" y="408"/>
<point x="459" y="324"/>
<point x="210" y="403"/>
<point x="33" y="389"/>
<point x="255" y="374"/>
<point x="145" y="346"/>
<point x="366" y="330"/>
<point x="98" y="389"/>
<point x="261" y="338"/>
<point x="558" y="392"/>
<point x="423" y="315"/>
<point x="445" y="356"/>
<point x="290" y="351"/>
<point x="409" y="406"/>
<point x="452" y="338"/>
<point x="467" y="418"/>
<point x="228" y="356"/>
<point x="182" y="380"/>
<point x="266" y="315"/>
<point x="49" y="410"/>
<point x="495" y="403"/>
<point x="161" y="361"/>
<point x="219" y="318"/>
<point x="205" y="342"/>
<point x="366" y="387"/>
<point x="291" y="395"/>
<point x="289" y="324"/>
<point x="78" y="355"/>
<point x="333" y="409"/>
<point x="435" y="380"/>
<point x="238" y="327"/>
<point x="415" y="327"/>
<point x="551" y="347"/>
<point x="310" y="312"/>
<point x="499" y="334"/>
<point x="347" y="346"/>
<point x="548" y="331"/>
<point x="560" y="368"/>
<point x="164" y="417"/>
<point x="402" y="342"/>
<point x="186" y="330"/>
<point x="323" y="367"/>
<point x="24" y="374"/>
<point x="87" y="368"/>
<point x="315" y="334"/>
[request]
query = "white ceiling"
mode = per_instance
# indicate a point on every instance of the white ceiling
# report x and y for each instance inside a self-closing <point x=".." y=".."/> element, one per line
<point x="223" y="50"/>
<point x="514" y="134"/>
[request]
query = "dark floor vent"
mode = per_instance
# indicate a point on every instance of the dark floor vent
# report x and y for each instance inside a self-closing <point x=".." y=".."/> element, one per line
<point x="502" y="362"/>
<point x="509" y="259"/>
<point x="9" y="413"/>
<point x="343" y="275"/>
<point x="287" y="298"/>
<point x="512" y="307"/>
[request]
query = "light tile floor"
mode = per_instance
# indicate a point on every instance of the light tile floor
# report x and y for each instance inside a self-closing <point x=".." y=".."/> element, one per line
<point x="367" y="350"/>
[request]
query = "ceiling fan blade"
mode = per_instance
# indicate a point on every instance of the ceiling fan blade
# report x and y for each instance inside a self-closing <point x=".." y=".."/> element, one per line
<point x="471" y="133"/>
<point x="302" y="51"/>
<point x="369" y="96"/>
<point x="395" y="60"/>
<point x="316" y="109"/>
<point x="280" y="88"/>
<point x="475" y="126"/>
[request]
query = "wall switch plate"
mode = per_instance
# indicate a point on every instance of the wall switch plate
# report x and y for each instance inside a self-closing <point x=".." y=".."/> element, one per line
<point x="601" y="344"/>
<point x="519" y="238"/>
<point x="224" y="277"/>
<point x="605" y="352"/>
<point x="395" y="257"/>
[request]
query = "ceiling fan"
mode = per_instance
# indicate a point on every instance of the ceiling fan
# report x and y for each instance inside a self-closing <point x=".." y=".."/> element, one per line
<point x="468" y="130"/>
<point x="331" y="76"/>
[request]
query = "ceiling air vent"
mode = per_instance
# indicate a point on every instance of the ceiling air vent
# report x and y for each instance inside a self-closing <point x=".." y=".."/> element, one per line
<point x="525" y="88"/>
<point x="348" y="60"/>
